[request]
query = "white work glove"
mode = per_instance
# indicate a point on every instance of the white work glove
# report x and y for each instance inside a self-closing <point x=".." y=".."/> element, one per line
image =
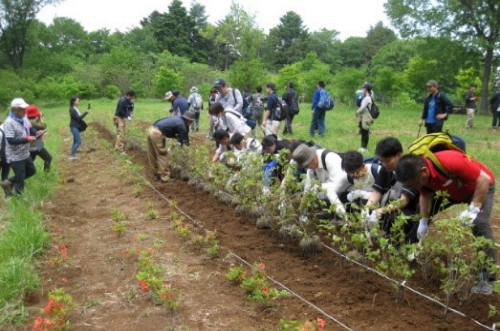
<point x="423" y="228"/>
<point x="303" y="217"/>
<point x="354" y="195"/>
<point x="369" y="218"/>
<point x="468" y="216"/>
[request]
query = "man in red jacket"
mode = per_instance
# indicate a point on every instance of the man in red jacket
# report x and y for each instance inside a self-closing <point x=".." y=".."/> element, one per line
<point x="465" y="181"/>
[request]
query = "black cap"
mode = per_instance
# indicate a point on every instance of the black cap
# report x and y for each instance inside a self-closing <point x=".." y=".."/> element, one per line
<point x="220" y="82"/>
<point x="367" y="86"/>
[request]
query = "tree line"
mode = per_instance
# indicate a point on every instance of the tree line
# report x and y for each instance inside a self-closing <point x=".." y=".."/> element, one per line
<point x="179" y="48"/>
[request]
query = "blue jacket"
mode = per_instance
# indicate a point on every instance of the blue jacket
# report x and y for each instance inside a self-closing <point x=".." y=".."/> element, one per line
<point x="316" y="97"/>
<point x="124" y="108"/>
<point x="181" y="105"/>
<point x="173" y="127"/>
<point x="443" y="106"/>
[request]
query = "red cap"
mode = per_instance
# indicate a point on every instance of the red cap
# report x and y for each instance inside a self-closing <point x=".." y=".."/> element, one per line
<point x="32" y="111"/>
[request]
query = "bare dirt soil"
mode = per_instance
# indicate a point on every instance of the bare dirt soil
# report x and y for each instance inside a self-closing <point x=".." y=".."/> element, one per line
<point x="101" y="276"/>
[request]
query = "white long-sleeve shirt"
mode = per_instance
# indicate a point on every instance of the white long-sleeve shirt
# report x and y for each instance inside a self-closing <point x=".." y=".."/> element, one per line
<point x="235" y="122"/>
<point x="363" y="185"/>
<point x="333" y="179"/>
<point x="228" y="101"/>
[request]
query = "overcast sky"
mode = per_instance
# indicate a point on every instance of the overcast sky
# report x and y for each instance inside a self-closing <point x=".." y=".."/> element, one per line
<point x="350" y="17"/>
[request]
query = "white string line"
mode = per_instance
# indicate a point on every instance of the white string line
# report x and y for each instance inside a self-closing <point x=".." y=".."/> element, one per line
<point x="243" y="260"/>
<point x="402" y="284"/>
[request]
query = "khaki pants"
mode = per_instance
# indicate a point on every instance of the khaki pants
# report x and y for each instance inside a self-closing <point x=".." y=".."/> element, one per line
<point x="158" y="153"/>
<point x="120" y="124"/>
<point x="273" y="127"/>
<point x="470" y="118"/>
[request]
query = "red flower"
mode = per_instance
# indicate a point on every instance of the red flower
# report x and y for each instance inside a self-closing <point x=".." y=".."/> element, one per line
<point x="64" y="251"/>
<point x="321" y="324"/>
<point x="262" y="266"/>
<point x="150" y="251"/>
<point x="48" y="308"/>
<point x="42" y="324"/>
<point x="144" y="286"/>
<point x="265" y="290"/>
<point x="65" y="280"/>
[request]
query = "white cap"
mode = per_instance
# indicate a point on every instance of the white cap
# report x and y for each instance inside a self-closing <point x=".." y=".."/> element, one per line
<point x="19" y="103"/>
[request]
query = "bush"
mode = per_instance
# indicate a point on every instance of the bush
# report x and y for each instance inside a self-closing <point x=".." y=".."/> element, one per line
<point x="112" y="92"/>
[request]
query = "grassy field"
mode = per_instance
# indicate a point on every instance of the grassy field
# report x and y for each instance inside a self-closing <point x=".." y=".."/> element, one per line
<point x="483" y="143"/>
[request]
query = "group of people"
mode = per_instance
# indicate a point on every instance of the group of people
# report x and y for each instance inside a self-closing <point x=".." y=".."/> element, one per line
<point x="392" y="184"/>
<point x="21" y="141"/>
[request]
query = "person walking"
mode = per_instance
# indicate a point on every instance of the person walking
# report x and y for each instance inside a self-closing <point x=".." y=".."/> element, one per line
<point x="195" y="103"/>
<point x="495" y="109"/>
<point x="173" y="127"/>
<point x="19" y="135"/>
<point x="271" y="122"/>
<point x="124" y="111"/>
<point x="364" y="117"/>
<point x="229" y="97"/>
<point x="291" y="98"/>
<point x="436" y="109"/>
<point x="75" y="125"/>
<point x="470" y="106"/>
<point x="318" y="113"/>
<point x="38" y="148"/>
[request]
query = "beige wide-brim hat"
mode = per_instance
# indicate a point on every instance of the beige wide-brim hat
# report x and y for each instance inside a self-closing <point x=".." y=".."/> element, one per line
<point x="169" y="95"/>
<point x="189" y="115"/>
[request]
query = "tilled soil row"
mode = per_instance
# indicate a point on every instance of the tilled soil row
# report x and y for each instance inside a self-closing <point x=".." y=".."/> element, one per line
<point x="355" y="296"/>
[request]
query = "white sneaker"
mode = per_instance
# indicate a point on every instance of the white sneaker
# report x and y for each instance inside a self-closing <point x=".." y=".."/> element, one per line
<point x="362" y="150"/>
<point x="73" y="158"/>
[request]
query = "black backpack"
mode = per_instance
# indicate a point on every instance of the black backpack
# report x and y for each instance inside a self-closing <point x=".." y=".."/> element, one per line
<point x="246" y="110"/>
<point x="281" y="111"/>
<point x="294" y="105"/>
<point x="323" y="159"/>
<point x="3" y="144"/>
<point x="374" y="110"/>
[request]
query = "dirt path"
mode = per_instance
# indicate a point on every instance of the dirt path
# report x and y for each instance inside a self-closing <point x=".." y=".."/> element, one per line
<point x="100" y="275"/>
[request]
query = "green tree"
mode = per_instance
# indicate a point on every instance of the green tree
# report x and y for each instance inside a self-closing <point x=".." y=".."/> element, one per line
<point x="201" y="45"/>
<point x="247" y="74"/>
<point x="419" y="72"/>
<point x="166" y="80"/>
<point x="473" y="22"/>
<point x="348" y="81"/>
<point x="465" y="78"/>
<point x="16" y="17"/>
<point x="390" y="84"/>
<point x="289" y="41"/>
<point x="377" y="37"/>
<point x="351" y="52"/>
<point x="395" y="55"/>
<point x="324" y="43"/>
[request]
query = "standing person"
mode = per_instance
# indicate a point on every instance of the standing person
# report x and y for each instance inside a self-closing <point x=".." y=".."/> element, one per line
<point x="179" y="104"/>
<point x="470" y="106"/>
<point x="195" y="103"/>
<point x="271" y="122"/>
<point x="291" y="98"/>
<point x="173" y="127"/>
<point x="4" y="165"/>
<point x="256" y="102"/>
<point x="436" y="109"/>
<point x="318" y="113"/>
<point x="495" y="109"/>
<point x="467" y="181"/>
<point x="364" y="117"/>
<point x="212" y="119"/>
<point x="19" y="136"/>
<point x="124" y="111"/>
<point x="229" y="97"/>
<point x="38" y="149"/>
<point x="74" y="125"/>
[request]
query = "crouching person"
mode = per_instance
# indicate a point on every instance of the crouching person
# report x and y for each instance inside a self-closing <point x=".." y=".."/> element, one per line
<point x="174" y="127"/>
<point x="390" y="198"/>
<point x="324" y="166"/>
<point x="465" y="181"/>
<point x="362" y="173"/>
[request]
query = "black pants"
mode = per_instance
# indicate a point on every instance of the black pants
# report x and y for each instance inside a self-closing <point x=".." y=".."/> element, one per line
<point x="22" y="170"/>
<point x="433" y="128"/>
<point x="496" y="119"/>
<point x="288" y="124"/>
<point x="5" y="169"/>
<point x="365" y="136"/>
<point x="45" y="156"/>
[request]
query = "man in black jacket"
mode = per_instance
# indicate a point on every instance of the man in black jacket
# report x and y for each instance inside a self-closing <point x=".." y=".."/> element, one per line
<point x="292" y="100"/>
<point x="470" y="106"/>
<point x="436" y="109"/>
<point x="124" y="111"/>
<point x="495" y="109"/>
<point x="174" y="127"/>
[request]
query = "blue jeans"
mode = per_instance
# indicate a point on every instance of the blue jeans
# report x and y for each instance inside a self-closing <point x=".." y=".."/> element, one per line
<point x="318" y="122"/>
<point x="77" y="140"/>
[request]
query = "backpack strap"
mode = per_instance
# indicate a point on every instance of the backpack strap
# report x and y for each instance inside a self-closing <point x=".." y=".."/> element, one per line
<point x="374" y="170"/>
<point x="323" y="160"/>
